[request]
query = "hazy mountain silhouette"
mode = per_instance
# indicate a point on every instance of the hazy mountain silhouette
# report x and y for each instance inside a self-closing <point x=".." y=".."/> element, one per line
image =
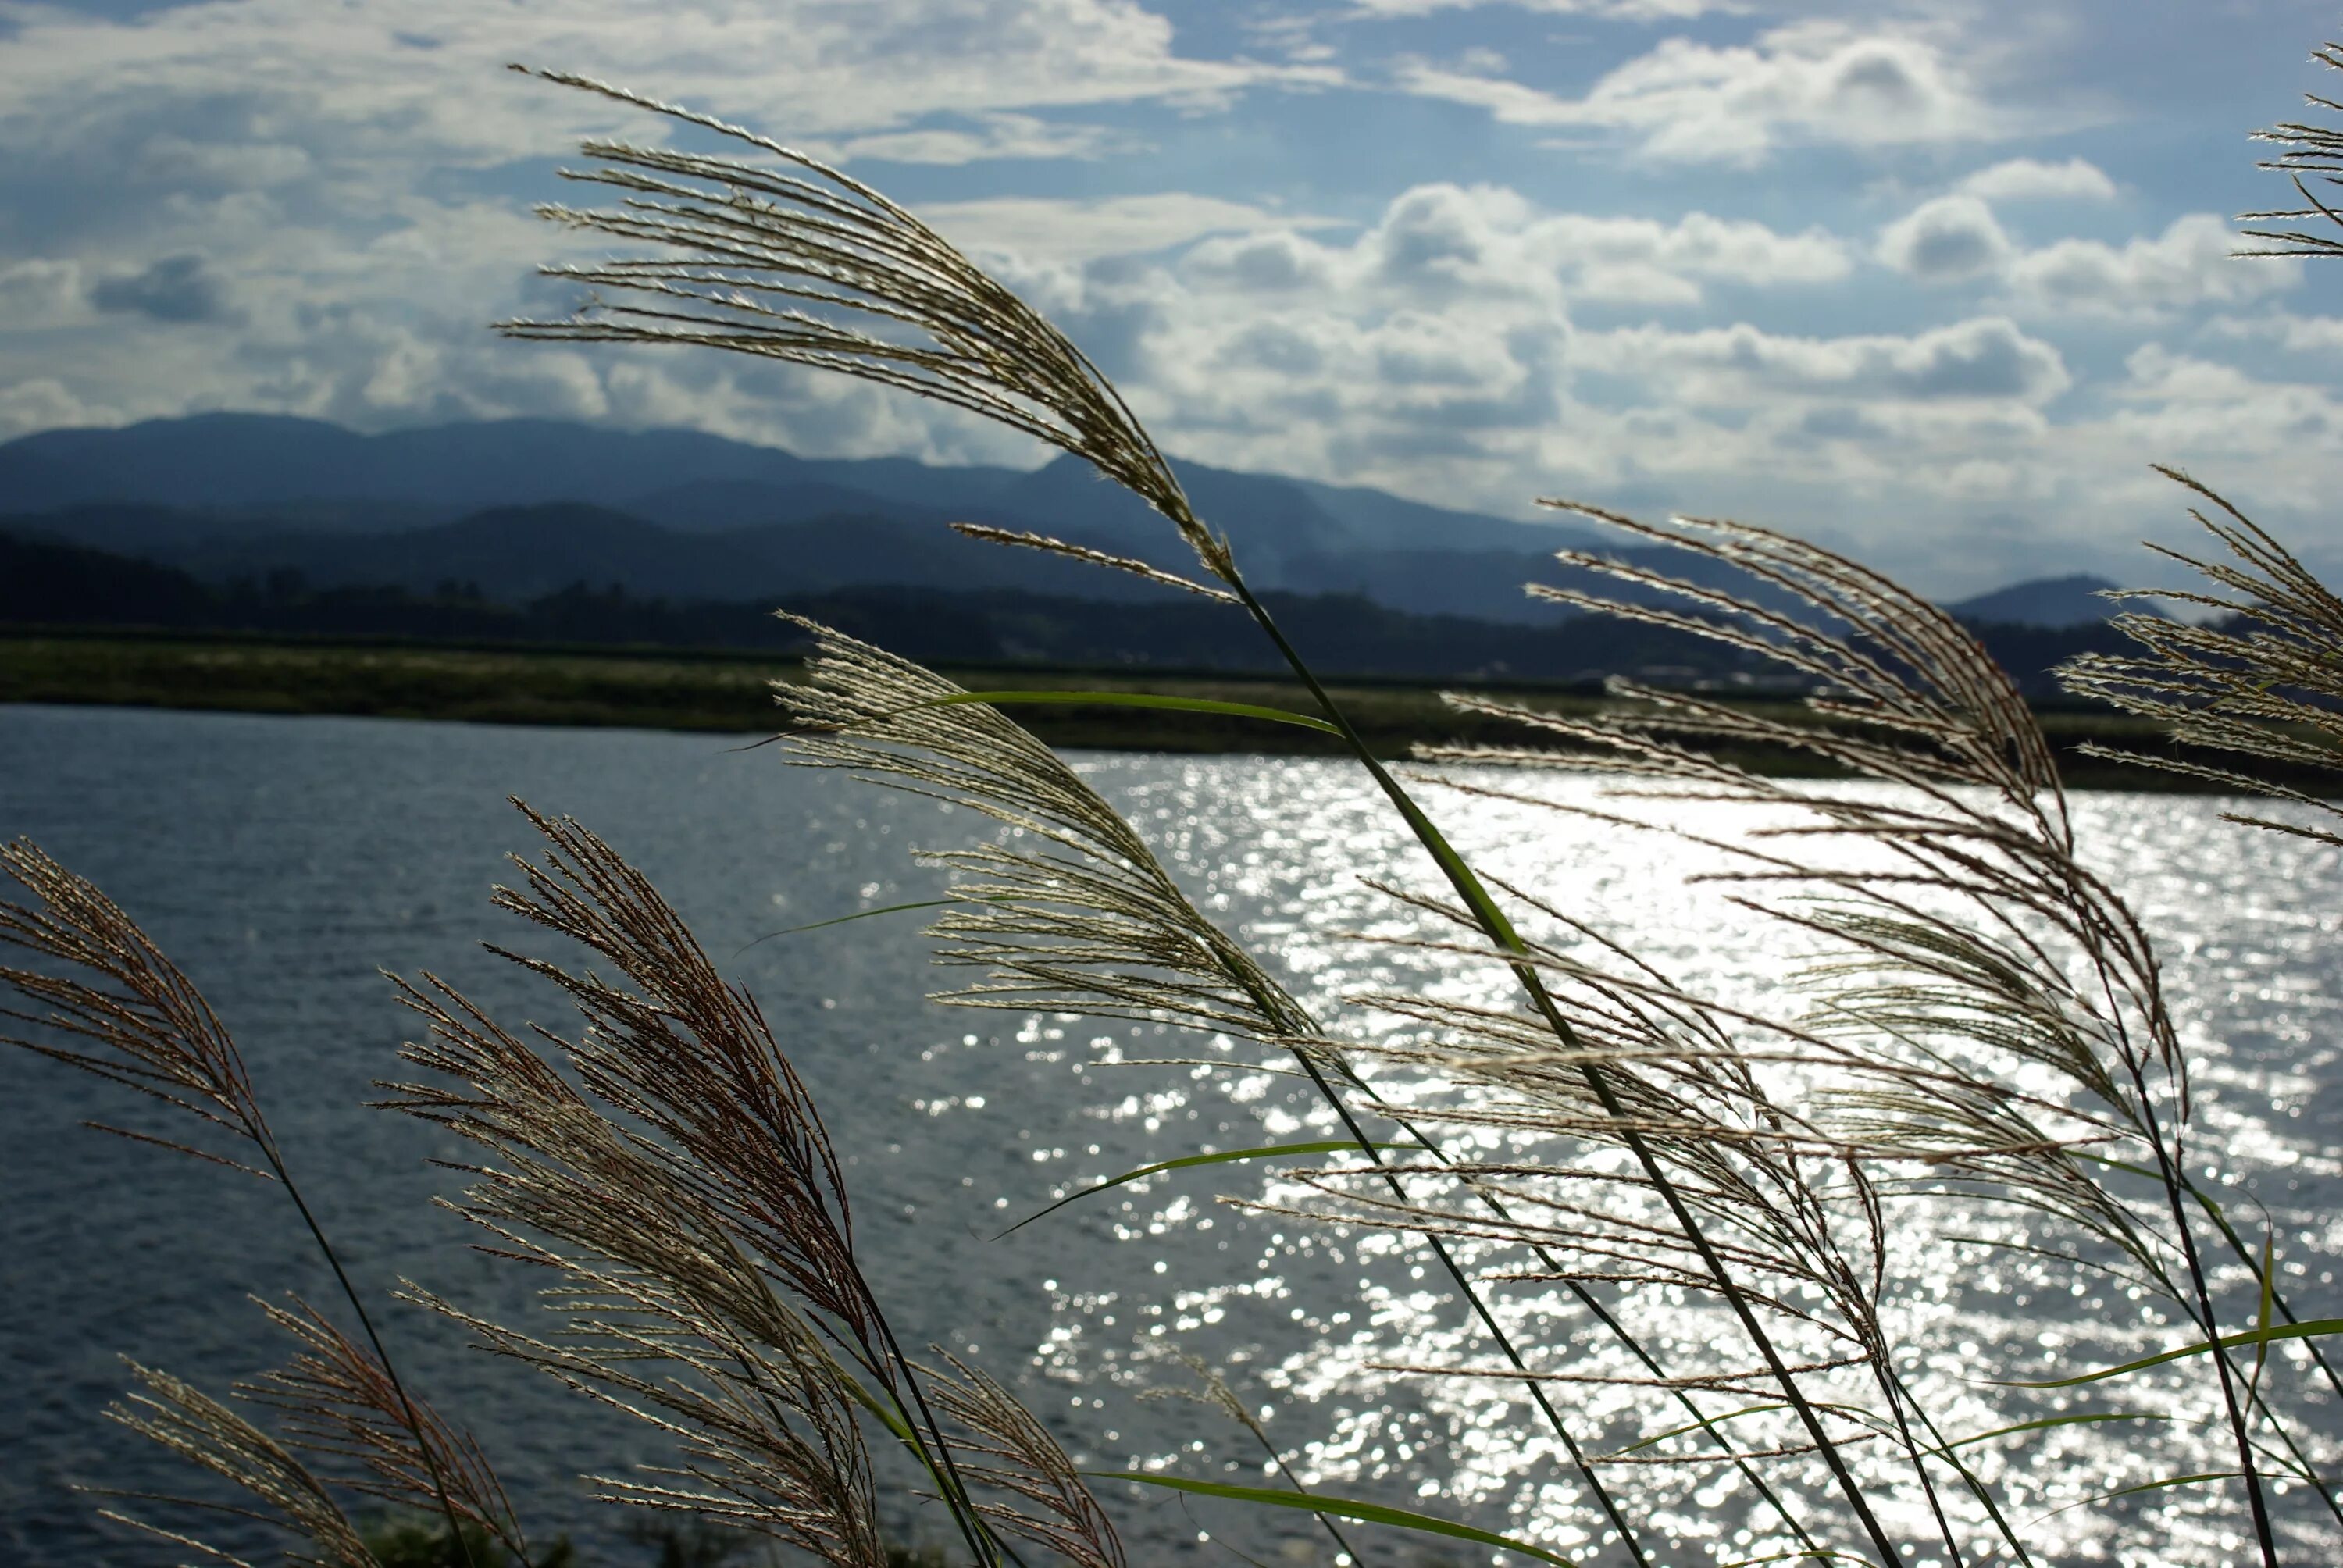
<point x="2045" y="601"/>
<point x="244" y="488"/>
<point x="519" y="507"/>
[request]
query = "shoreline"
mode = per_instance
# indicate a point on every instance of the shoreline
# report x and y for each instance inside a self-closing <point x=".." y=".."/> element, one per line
<point x="718" y="692"/>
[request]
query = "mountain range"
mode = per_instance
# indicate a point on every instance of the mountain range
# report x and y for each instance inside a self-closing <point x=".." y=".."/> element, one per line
<point x="512" y="511"/>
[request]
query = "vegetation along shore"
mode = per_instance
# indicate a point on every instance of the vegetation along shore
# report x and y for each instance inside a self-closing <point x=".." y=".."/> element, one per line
<point x="728" y="692"/>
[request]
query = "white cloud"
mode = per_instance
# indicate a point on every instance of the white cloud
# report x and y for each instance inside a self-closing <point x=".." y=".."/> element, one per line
<point x="420" y="80"/>
<point x="1044" y="228"/>
<point x="2192" y="263"/>
<point x="177" y="161"/>
<point x="1623" y="258"/>
<point x="1949" y="238"/>
<point x="1698" y="103"/>
<point x="1449" y="242"/>
<point x="44" y="403"/>
<point x="37" y="293"/>
<point x="1260" y="263"/>
<point x="2294" y="334"/>
<point x="991" y="135"/>
<point x="1434" y="353"/>
<point x="2030" y="179"/>
<point x="1987" y="360"/>
<point x="1607" y="10"/>
<point x="2232" y="428"/>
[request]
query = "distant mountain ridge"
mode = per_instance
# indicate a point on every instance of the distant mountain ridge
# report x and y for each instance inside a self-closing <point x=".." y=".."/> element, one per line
<point x="251" y="483"/>
<point x="518" y="508"/>
<point x="2074" y="600"/>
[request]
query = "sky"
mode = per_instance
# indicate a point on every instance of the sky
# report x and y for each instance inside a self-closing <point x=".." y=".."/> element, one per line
<point x="1931" y="282"/>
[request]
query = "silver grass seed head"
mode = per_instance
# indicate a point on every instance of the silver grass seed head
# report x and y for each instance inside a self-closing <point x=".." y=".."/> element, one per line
<point x="214" y="1437"/>
<point x="803" y="264"/>
<point x="115" y="1006"/>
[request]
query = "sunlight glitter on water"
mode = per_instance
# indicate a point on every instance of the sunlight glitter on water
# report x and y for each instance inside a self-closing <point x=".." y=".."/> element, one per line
<point x="2247" y="967"/>
<point x="282" y="862"/>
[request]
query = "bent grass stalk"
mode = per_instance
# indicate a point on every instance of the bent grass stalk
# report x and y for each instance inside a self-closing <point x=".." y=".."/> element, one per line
<point x="155" y="1033"/>
<point x="938" y="326"/>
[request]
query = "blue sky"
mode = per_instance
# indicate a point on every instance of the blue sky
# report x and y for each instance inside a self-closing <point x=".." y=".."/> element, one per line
<point x="1933" y="281"/>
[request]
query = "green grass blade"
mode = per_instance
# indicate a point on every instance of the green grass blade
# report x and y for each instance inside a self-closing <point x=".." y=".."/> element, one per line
<point x="1347" y="1508"/>
<point x="2144" y="1486"/>
<point x="1265" y="1151"/>
<point x="2049" y="1421"/>
<point x="2316" y="1328"/>
<point x="2262" y="1318"/>
<point x="887" y="1415"/>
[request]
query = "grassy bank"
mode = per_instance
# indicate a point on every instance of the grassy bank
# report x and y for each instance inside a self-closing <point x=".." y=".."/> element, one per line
<point x="728" y="693"/>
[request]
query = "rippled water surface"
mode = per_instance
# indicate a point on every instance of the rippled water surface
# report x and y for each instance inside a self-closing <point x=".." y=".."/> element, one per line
<point x="283" y="862"/>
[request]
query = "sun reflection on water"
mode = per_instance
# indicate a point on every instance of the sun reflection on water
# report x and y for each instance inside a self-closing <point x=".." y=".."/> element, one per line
<point x="1301" y="1317"/>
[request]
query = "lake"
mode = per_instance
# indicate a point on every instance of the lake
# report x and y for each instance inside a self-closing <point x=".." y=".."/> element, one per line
<point x="284" y="862"/>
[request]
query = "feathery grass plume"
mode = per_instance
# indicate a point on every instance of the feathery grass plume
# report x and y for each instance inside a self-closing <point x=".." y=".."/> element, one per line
<point x="1017" y="1459"/>
<point x="688" y="1198"/>
<point x="2310" y="149"/>
<point x="806" y="264"/>
<point x="148" y="1026"/>
<point x="2265" y="680"/>
<point x="1972" y="944"/>
<point x="765" y="1437"/>
<point x="667" y="1316"/>
<point x="1787" y="1201"/>
<point x="153" y="1031"/>
<point x="210" y="1435"/>
<point x="693" y="1059"/>
<point x="1085" y="920"/>
<point x="336" y="1400"/>
<point x="987" y="534"/>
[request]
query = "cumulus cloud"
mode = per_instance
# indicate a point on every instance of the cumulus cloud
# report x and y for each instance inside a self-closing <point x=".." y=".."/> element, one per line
<point x="1638" y="258"/>
<point x="1949" y="238"/>
<point x="1609" y="10"/>
<point x="2191" y="263"/>
<point x="1434" y="351"/>
<point x="2294" y="334"/>
<point x="1813" y="82"/>
<point x="2259" y="440"/>
<point x="422" y="78"/>
<point x="1451" y="242"/>
<point x="43" y="403"/>
<point x="176" y="288"/>
<point x="990" y="135"/>
<point x="39" y="293"/>
<point x="1985" y="359"/>
<point x="1050" y="228"/>
<point x="2031" y="179"/>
